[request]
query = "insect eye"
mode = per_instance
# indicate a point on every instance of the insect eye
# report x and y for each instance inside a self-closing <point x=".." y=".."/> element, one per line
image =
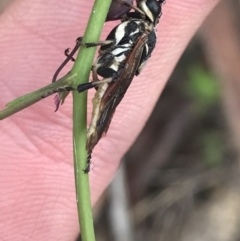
<point x="154" y="7"/>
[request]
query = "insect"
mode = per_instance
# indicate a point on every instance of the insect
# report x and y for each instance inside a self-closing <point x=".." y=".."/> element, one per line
<point x="121" y="56"/>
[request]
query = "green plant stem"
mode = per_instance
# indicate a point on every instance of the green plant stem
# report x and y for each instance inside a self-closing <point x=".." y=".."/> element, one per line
<point x="82" y="68"/>
<point x="33" y="97"/>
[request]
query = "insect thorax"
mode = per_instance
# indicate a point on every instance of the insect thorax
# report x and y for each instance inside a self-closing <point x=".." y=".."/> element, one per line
<point x="124" y="36"/>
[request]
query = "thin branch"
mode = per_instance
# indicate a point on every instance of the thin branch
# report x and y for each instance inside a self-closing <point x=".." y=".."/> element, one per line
<point x="35" y="96"/>
<point x="82" y="68"/>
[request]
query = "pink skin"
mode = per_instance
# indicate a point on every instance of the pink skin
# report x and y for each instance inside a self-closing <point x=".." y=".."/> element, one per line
<point x="37" y="200"/>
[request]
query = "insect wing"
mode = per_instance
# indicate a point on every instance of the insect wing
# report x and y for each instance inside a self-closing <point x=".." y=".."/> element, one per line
<point x="116" y="90"/>
<point x="117" y="10"/>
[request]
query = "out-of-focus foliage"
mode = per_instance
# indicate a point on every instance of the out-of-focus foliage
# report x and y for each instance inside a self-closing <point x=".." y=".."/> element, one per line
<point x="213" y="147"/>
<point x="204" y="90"/>
<point x="202" y="87"/>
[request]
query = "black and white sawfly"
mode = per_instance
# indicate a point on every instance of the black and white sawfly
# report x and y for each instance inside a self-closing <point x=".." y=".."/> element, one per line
<point x="121" y="56"/>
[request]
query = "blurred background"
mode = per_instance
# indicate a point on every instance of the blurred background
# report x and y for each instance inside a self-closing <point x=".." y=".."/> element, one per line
<point x="180" y="180"/>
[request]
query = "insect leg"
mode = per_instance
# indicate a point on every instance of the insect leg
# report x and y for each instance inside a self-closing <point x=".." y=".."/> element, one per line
<point x="93" y="84"/>
<point x="100" y="43"/>
<point x="69" y="57"/>
<point x="87" y="168"/>
<point x="67" y="54"/>
<point x="88" y="45"/>
<point x="85" y="86"/>
<point x="75" y="49"/>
